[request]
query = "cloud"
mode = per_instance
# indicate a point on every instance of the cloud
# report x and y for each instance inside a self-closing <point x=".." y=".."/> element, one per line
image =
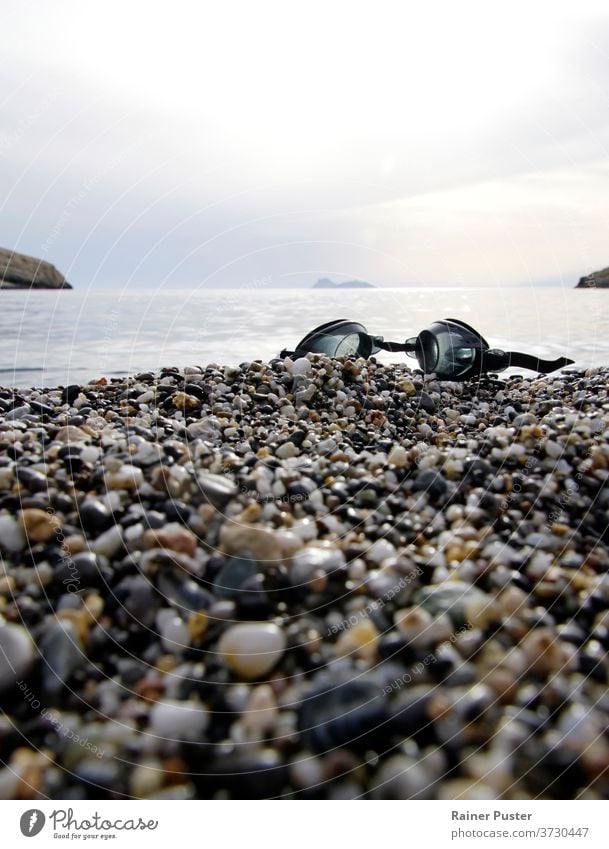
<point x="191" y="144"/>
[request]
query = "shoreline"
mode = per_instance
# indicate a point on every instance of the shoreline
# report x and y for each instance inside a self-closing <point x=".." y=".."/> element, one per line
<point x="311" y="579"/>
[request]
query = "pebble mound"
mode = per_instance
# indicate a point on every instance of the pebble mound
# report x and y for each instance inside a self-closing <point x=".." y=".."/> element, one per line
<point x="314" y="579"/>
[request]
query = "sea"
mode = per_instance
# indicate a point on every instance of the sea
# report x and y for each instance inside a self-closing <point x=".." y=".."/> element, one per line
<point x="54" y="338"/>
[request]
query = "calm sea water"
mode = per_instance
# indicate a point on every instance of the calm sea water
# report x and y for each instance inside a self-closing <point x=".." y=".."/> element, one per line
<point x="51" y="338"/>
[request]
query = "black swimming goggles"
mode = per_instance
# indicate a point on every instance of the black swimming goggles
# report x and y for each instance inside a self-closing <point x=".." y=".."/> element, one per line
<point x="450" y="349"/>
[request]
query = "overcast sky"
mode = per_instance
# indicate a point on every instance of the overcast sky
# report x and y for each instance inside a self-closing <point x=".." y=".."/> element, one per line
<point x="204" y="143"/>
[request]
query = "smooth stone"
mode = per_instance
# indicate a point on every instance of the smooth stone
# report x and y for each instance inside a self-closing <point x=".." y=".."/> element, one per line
<point x="233" y="574"/>
<point x="38" y="525"/>
<point x="71" y="433"/>
<point x="62" y="652"/>
<point x="127" y="477"/>
<point x="256" y="542"/>
<point x="179" y="720"/>
<point x="12" y="538"/>
<point x="398" y="457"/>
<point x="251" y="650"/>
<point x="301" y="366"/>
<point x="287" y="450"/>
<point x="108" y="543"/>
<point x="173" y="537"/>
<point x="217" y="489"/>
<point x="431" y="482"/>
<point x="175" y="636"/>
<point x="312" y="558"/>
<point x="18" y="413"/>
<point x="94" y="516"/>
<point x="348" y="713"/>
<point x="17" y="654"/>
<point x="70" y="393"/>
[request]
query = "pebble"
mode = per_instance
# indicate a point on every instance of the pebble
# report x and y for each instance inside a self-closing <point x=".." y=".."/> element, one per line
<point x="38" y="525"/>
<point x="179" y="720"/>
<point x="17" y="654"/>
<point x="71" y="433"/>
<point x="252" y="650"/>
<point x="218" y="490"/>
<point x="12" y="538"/>
<point x="127" y="477"/>
<point x="330" y="581"/>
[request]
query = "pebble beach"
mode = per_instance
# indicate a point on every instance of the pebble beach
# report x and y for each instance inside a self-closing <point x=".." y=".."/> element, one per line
<point x="309" y="579"/>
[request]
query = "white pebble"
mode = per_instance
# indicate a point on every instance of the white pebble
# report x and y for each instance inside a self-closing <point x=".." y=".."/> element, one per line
<point x="252" y="649"/>
<point x="174" y="720"/>
<point x="11" y="534"/>
<point x="17" y="653"/>
<point x="301" y="366"/>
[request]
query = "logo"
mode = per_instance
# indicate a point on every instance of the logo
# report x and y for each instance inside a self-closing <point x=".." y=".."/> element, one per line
<point x="32" y="822"/>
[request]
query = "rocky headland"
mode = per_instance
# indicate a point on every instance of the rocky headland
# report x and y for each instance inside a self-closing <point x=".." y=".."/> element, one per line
<point x="597" y="280"/>
<point x="18" y="271"/>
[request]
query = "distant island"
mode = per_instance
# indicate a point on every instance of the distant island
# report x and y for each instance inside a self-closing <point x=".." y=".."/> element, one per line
<point x="597" y="280"/>
<point x="18" y="271"/>
<point x="325" y="283"/>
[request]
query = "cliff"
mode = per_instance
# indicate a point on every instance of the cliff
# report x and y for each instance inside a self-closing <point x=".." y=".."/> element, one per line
<point x="597" y="280"/>
<point x="18" y="271"/>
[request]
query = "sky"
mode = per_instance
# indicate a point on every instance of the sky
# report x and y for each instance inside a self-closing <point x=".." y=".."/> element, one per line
<point x="157" y="144"/>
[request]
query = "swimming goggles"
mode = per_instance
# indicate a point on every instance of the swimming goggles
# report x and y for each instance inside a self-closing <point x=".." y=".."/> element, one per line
<point x="450" y="349"/>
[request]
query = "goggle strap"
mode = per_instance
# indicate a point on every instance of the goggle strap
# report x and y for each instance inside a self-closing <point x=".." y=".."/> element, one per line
<point x="394" y="347"/>
<point x="515" y="359"/>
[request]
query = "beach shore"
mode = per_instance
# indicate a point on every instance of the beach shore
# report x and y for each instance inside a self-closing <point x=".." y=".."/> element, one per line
<point x="311" y="579"/>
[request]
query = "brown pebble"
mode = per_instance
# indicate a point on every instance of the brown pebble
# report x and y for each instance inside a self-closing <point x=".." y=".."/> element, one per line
<point x="172" y="537"/>
<point x="38" y="525"/>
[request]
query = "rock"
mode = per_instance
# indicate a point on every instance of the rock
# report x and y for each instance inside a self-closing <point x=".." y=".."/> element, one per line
<point x="175" y="636"/>
<point x="251" y="650"/>
<point x="12" y="538"/>
<point x="94" y="516"/>
<point x="233" y="574"/>
<point x="596" y="280"/>
<point x="18" y="271"/>
<point x="173" y="537"/>
<point x="259" y="543"/>
<point x="360" y="641"/>
<point x="70" y="393"/>
<point x="286" y="450"/>
<point x="218" y="490"/>
<point x="175" y="720"/>
<point x="431" y="482"/>
<point x="342" y="713"/>
<point x="17" y="654"/>
<point x="38" y="525"/>
<point x="398" y="457"/>
<point x="18" y="412"/>
<point x="127" y="477"/>
<point x="260" y="715"/>
<point x="62" y="653"/>
<point x="108" y="543"/>
<point x="71" y="433"/>
<point x="301" y="366"/>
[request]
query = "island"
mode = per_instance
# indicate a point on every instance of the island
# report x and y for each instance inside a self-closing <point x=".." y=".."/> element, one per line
<point x="18" y="271"/>
<point x="325" y="283"/>
<point x="596" y="280"/>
